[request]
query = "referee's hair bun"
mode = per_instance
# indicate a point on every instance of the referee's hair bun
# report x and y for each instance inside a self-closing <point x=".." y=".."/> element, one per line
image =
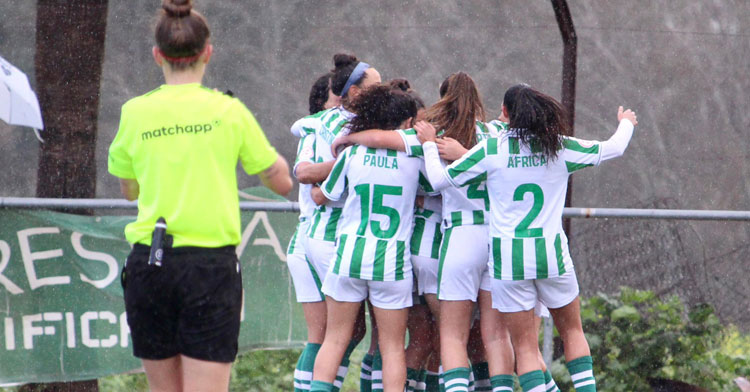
<point x="342" y="60"/>
<point x="400" y="84"/>
<point x="177" y="8"/>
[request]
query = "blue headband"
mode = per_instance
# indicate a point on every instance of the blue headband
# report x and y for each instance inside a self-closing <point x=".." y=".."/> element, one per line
<point x="356" y="74"/>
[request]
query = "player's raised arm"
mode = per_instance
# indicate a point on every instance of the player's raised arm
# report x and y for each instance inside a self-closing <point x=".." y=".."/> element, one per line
<point x="616" y="145"/>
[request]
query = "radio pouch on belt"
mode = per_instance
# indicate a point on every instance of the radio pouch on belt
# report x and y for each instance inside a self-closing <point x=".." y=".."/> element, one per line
<point x="159" y="241"/>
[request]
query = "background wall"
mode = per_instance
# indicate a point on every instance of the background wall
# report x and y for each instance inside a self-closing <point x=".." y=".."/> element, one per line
<point x="683" y="66"/>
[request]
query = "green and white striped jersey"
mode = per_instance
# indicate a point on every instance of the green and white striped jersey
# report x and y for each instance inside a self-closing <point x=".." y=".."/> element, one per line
<point x="470" y="204"/>
<point x="426" y="234"/>
<point x="332" y="124"/>
<point x="380" y="187"/>
<point x="527" y="195"/>
<point x="304" y="128"/>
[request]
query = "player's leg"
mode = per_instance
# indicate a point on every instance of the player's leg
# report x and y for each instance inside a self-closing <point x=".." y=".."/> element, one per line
<point x="525" y="346"/>
<point x="496" y="338"/>
<point x="455" y="323"/>
<point x="577" y="355"/>
<point x="560" y="295"/>
<point x="541" y="312"/>
<point x="308" y="282"/>
<point x="358" y="332"/>
<point x="307" y="286"/>
<point x="315" y="316"/>
<point x="515" y="300"/>
<point x="462" y="263"/>
<point x="432" y="374"/>
<point x="420" y="327"/>
<point x="488" y="336"/>
<point x="391" y="302"/>
<point x="568" y="323"/>
<point x="369" y="372"/>
<point x="427" y="270"/>
<point x="341" y="318"/>
<point x="320" y="254"/>
<point x="476" y="354"/>
<point x="164" y="375"/>
<point x="392" y="333"/>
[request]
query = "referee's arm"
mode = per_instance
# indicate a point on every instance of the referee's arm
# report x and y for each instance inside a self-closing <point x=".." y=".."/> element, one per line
<point x="276" y="177"/>
<point x="129" y="188"/>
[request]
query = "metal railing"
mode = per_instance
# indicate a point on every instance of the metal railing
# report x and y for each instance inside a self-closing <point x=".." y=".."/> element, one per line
<point x="287" y="206"/>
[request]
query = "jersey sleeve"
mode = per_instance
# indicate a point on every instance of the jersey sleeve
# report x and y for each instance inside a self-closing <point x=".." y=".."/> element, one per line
<point x="256" y="153"/>
<point x="472" y="164"/>
<point x="119" y="161"/>
<point x="412" y="145"/>
<point x="335" y="185"/>
<point x="305" y="151"/>
<point x="578" y="153"/>
<point x="436" y="174"/>
<point x="304" y="126"/>
<point x="424" y="184"/>
<point x="616" y="145"/>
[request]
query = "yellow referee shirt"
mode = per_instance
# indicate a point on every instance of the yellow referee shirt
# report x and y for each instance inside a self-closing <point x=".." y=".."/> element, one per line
<point x="182" y="144"/>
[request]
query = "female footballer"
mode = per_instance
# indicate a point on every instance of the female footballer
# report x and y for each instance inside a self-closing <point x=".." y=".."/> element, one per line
<point x="527" y="170"/>
<point x="371" y="258"/>
<point x="307" y="282"/>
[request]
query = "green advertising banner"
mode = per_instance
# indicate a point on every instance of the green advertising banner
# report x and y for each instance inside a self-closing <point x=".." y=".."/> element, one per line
<point x="62" y="313"/>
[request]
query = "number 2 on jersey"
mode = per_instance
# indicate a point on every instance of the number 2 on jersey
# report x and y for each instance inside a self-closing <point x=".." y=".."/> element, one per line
<point x="523" y="230"/>
<point x="378" y="191"/>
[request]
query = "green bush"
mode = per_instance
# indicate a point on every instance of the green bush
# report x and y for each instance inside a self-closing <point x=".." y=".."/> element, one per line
<point x="635" y="336"/>
<point x="268" y="370"/>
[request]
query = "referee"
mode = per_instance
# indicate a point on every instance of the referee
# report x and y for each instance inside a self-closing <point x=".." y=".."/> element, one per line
<point x="176" y="151"/>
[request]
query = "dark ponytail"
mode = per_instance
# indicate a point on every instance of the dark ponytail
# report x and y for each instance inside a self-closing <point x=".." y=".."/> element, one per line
<point x="319" y="93"/>
<point x="403" y="85"/>
<point x="536" y="118"/>
<point x="382" y="107"/>
<point x="181" y="33"/>
<point x="343" y="66"/>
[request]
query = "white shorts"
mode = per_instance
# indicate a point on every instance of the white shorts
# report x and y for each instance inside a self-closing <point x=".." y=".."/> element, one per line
<point x="541" y="310"/>
<point x="321" y="254"/>
<point x="306" y="280"/>
<point x="464" y="254"/>
<point x="307" y="283"/>
<point x="510" y="296"/>
<point x="426" y="271"/>
<point x="384" y="295"/>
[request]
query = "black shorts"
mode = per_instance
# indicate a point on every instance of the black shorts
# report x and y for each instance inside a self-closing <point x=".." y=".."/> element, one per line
<point x="190" y="305"/>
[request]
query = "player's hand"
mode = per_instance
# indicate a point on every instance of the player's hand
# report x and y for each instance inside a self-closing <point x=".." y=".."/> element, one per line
<point x="317" y="195"/>
<point x="425" y="132"/>
<point x="450" y="149"/>
<point x="339" y="144"/>
<point x="629" y="114"/>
